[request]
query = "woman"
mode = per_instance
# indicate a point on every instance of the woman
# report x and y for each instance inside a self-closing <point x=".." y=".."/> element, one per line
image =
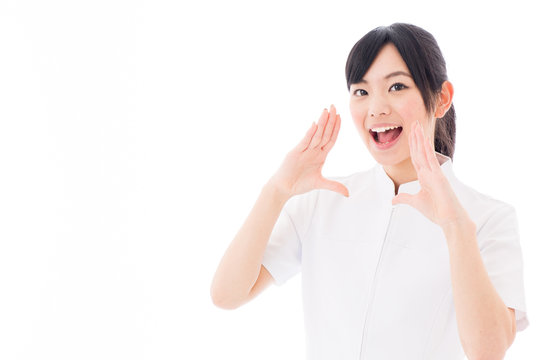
<point x="402" y="261"/>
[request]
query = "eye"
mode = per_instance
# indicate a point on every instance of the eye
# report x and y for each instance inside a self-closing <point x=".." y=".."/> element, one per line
<point x="360" y="92"/>
<point x="397" y="87"/>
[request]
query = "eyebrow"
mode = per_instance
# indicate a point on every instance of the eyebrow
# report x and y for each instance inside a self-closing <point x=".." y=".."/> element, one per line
<point x="395" y="73"/>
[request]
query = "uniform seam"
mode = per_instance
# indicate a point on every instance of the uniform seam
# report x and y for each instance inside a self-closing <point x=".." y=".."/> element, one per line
<point x="293" y="225"/>
<point x="298" y="235"/>
<point x="373" y="287"/>
<point x="495" y="213"/>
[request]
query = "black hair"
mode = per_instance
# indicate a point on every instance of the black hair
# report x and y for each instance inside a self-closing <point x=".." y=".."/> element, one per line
<point x="420" y="51"/>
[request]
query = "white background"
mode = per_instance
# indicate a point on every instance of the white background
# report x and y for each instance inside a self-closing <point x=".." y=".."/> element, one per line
<point x="135" y="137"/>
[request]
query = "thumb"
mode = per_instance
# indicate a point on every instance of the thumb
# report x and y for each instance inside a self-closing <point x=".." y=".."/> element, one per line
<point x="335" y="186"/>
<point x="404" y="198"/>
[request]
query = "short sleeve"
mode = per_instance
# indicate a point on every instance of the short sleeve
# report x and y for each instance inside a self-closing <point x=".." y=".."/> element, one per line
<point x="283" y="255"/>
<point x="500" y="249"/>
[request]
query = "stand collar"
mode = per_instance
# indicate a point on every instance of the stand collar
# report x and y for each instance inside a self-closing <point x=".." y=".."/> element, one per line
<point x="412" y="187"/>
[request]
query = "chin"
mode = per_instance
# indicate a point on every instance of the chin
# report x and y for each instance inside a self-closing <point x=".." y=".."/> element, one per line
<point x="389" y="158"/>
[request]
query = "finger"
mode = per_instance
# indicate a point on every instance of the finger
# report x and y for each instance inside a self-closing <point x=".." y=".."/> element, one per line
<point x="404" y="198"/>
<point x="432" y="158"/>
<point x="335" y="132"/>
<point x="422" y="157"/>
<point x="334" y="186"/>
<point x="302" y="146"/>
<point x="320" y="129"/>
<point x="329" y="126"/>
<point x="413" y="147"/>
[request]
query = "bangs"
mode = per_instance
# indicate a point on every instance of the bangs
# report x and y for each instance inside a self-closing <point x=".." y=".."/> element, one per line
<point x="363" y="53"/>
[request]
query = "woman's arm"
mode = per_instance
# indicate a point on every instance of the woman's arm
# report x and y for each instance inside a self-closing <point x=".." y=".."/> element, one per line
<point x="235" y="281"/>
<point x="240" y="275"/>
<point x="486" y="326"/>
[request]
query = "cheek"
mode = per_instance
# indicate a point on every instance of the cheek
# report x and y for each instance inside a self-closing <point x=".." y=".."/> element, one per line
<point x="358" y="114"/>
<point x="411" y="110"/>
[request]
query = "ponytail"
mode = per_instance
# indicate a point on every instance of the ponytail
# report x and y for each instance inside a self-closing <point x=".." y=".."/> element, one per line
<point x="445" y="133"/>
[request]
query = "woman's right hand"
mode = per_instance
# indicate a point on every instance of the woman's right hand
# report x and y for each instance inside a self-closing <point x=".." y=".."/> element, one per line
<point x="300" y="172"/>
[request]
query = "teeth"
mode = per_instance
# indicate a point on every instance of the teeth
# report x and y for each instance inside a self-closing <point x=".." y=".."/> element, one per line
<point x="383" y="129"/>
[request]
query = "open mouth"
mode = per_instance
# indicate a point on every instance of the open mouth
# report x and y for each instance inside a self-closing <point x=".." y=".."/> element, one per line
<point x="387" y="135"/>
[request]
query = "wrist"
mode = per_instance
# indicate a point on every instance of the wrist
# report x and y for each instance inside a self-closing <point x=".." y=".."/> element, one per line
<point x="458" y="226"/>
<point x="276" y="192"/>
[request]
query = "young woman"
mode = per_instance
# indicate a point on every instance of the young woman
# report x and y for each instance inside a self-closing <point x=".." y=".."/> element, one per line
<point x="402" y="261"/>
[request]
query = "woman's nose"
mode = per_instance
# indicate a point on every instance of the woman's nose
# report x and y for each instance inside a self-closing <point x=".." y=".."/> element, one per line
<point x="378" y="107"/>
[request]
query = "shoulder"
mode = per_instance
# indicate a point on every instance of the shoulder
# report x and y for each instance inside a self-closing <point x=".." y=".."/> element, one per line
<point x="479" y="202"/>
<point x="490" y="215"/>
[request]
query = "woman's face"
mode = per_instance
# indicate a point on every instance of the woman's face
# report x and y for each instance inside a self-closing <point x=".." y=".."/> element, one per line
<point x="387" y="97"/>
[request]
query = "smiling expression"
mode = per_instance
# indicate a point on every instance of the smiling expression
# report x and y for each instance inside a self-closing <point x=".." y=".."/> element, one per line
<point x="386" y="98"/>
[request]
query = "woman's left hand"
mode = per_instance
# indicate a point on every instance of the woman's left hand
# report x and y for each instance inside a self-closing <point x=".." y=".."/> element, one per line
<point x="436" y="198"/>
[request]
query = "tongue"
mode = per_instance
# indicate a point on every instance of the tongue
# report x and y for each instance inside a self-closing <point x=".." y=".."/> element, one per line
<point x="388" y="135"/>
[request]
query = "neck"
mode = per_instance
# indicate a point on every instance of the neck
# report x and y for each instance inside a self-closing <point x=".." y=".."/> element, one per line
<point x="401" y="173"/>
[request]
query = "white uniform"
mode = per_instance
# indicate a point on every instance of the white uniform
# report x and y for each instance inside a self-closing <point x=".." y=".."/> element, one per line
<point x="376" y="277"/>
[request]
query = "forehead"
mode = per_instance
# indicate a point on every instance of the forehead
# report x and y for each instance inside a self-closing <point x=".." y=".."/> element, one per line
<point x="387" y="61"/>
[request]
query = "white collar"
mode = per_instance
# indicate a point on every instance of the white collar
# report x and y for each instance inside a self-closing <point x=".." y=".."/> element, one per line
<point x="412" y="187"/>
